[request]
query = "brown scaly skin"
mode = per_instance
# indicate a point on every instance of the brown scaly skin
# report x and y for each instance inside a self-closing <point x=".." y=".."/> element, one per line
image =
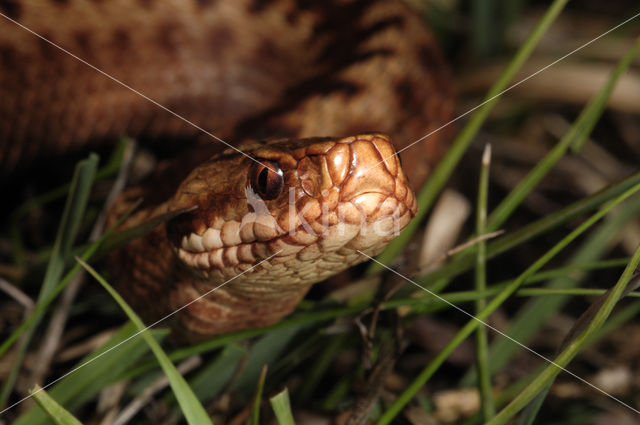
<point x="242" y="69"/>
<point x="245" y="70"/>
<point x="339" y="196"/>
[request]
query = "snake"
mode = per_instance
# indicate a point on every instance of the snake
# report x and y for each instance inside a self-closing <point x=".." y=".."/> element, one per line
<point x="279" y="117"/>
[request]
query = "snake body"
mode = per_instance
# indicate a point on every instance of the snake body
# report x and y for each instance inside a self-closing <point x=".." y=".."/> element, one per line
<point x="285" y="71"/>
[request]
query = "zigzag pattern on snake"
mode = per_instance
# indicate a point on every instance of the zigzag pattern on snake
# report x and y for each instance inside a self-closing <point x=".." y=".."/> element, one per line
<point x="246" y="71"/>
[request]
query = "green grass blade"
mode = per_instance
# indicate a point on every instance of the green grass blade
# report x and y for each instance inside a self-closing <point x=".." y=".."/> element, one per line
<point x="597" y="104"/>
<point x="573" y="348"/>
<point x="41" y="307"/>
<point x="56" y="412"/>
<point x="617" y="320"/>
<point x="191" y="408"/>
<point x="614" y="322"/>
<point x="212" y="378"/>
<point x="443" y="171"/>
<point x="577" y="134"/>
<point x="322" y="315"/>
<point x="299" y="321"/>
<point x="466" y="260"/>
<point x="422" y="306"/>
<point x="485" y="31"/>
<point x="266" y="351"/>
<point x="71" y="218"/>
<point x="482" y="341"/>
<point x="282" y="408"/>
<point x="320" y="366"/>
<point x="531" y="411"/>
<point x="67" y="231"/>
<point x="532" y="316"/>
<point x="83" y="383"/>
<point x="255" y="410"/>
<point x="111" y="168"/>
<point x="471" y="326"/>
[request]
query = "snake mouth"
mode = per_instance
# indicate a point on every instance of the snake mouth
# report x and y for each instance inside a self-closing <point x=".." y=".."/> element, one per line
<point x="341" y="196"/>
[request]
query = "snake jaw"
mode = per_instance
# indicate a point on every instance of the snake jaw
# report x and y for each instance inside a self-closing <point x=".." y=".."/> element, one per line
<point x="341" y="195"/>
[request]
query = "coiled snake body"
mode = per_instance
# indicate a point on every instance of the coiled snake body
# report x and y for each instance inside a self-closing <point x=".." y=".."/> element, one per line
<point x="247" y="71"/>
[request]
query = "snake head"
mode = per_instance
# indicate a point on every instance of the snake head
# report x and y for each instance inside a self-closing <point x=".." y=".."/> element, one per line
<point x="309" y="204"/>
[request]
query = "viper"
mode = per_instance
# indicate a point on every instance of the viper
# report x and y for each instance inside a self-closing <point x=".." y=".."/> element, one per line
<point x="280" y="114"/>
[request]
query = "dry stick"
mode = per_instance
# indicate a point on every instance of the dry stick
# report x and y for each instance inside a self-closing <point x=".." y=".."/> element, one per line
<point x="450" y="253"/>
<point x="159" y="384"/>
<point x="21" y="298"/>
<point x="368" y="333"/>
<point x="572" y="82"/>
<point x="109" y="402"/>
<point x="375" y="386"/>
<point x="15" y="293"/>
<point x="586" y="317"/>
<point x="583" y="321"/>
<point x="60" y="314"/>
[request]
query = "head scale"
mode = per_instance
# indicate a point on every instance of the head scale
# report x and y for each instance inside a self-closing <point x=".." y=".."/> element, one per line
<point x="311" y="204"/>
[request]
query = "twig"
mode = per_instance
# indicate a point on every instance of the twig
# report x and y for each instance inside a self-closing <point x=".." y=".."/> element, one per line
<point x="52" y="336"/>
<point x="15" y="293"/>
<point x="459" y="248"/>
<point x="159" y="384"/>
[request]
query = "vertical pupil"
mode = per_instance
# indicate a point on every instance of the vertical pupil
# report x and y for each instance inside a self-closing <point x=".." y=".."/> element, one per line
<point x="262" y="179"/>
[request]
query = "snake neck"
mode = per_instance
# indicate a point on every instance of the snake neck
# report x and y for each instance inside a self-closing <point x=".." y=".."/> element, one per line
<point x="262" y="227"/>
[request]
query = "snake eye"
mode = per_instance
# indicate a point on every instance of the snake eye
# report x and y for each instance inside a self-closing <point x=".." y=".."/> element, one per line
<point x="267" y="180"/>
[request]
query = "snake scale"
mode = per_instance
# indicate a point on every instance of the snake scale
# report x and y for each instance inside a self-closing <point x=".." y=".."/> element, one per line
<point x="306" y="89"/>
